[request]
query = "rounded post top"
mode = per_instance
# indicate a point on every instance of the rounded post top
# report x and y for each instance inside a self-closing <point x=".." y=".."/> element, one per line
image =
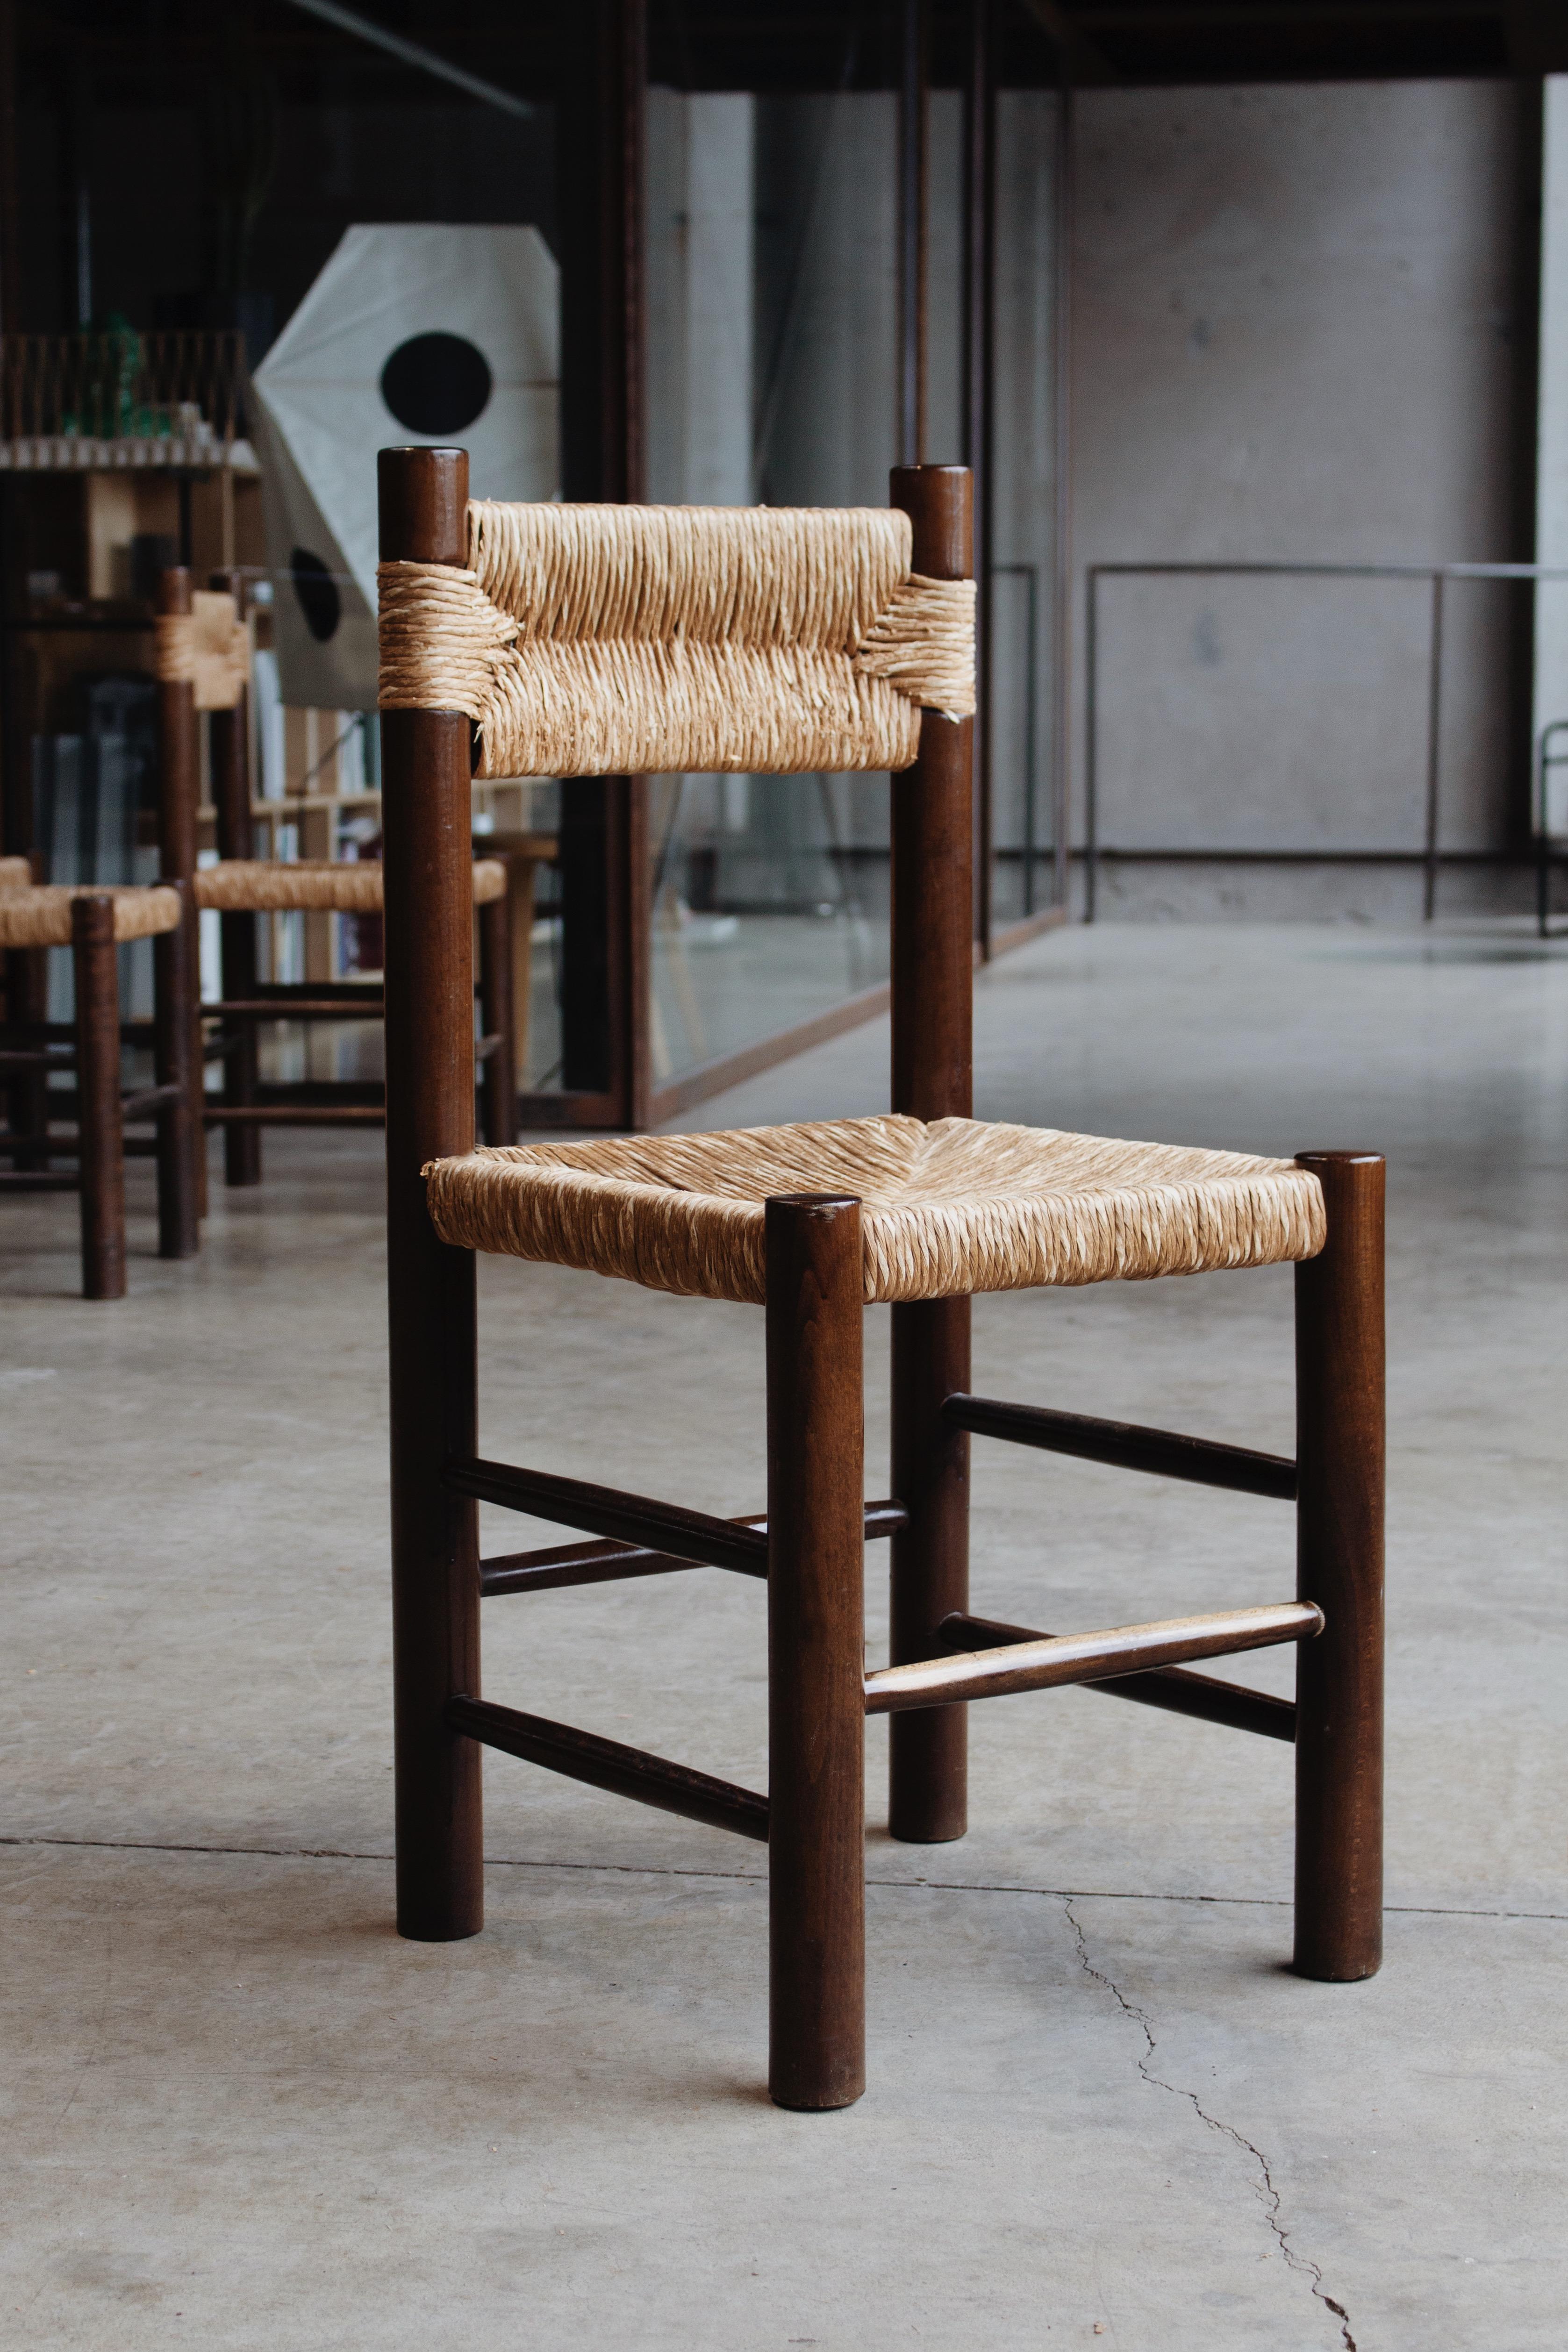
<point x="92" y="919"/>
<point x="173" y="590"/>
<point x="819" y="1204"/>
<point x="940" y="503"/>
<point x="423" y="499"/>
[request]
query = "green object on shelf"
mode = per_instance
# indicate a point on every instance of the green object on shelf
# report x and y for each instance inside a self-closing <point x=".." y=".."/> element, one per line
<point x="109" y="409"/>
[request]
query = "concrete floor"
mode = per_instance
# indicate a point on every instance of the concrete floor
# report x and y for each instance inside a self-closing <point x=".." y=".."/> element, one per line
<point x="241" y="2113"/>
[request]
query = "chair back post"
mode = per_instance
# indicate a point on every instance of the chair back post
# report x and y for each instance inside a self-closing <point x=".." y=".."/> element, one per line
<point x="179" y="792"/>
<point x="932" y="1004"/>
<point x="178" y="788"/>
<point x="933" y="842"/>
<point x="231" y="754"/>
<point x="228" y="742"/>
<point x="429" y="997"/>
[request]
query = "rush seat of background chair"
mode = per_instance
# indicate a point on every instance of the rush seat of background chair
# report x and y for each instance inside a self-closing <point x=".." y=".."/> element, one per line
<point x="39" y="916"/>
<point x="246" y="886"/>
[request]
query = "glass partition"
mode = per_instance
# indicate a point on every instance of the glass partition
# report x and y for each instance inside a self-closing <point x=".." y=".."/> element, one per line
<point x="772" y="331"/>
<point x="1024" y="749"/>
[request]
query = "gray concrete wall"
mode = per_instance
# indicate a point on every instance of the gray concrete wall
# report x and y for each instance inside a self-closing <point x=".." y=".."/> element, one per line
<point x="1297" y="318"/>
<point x="1300" y="317"/>
<point x="1551" y="694"/>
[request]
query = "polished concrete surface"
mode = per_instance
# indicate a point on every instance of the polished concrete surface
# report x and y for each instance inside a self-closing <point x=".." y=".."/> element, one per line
<point x="241" y="2113"/>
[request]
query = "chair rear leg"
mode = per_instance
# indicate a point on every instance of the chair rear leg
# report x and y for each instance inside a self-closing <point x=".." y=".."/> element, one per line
<point x="98" y="1131"/>
<point x="27" y="1000"/>
<point x="927" y="1749"/>
<point x="241" y="1139"/>
<point x="816" y="1706"/>
<point x="1340" y="1452"/>
<point x="179" y="1225"/>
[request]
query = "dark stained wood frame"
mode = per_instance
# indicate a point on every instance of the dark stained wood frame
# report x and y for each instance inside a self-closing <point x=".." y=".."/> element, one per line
<point x="933" y="994"/>
<point x="425" y="824"/>
<point x="248" y="1103"/>
<point x="89" y="1047"/>
<point x="810" y="1547"/>
<point x="1160" y="1452"/>
<point x="1171" y="1688"/>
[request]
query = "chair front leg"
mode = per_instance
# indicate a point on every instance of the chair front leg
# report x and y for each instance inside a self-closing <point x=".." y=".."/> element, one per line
<point x="816" y="1706"/>
<point x="1339" y="1454"/>
<point x="100" y="1137"/>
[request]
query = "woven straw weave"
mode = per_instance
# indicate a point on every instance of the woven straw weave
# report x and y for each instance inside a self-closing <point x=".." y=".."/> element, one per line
<point x="207" y="648"/>
<point x="16" y="874"/>
<point x="606" y="640"/>
<point x="956" y="1207"/>
<point x="244" y="886"/>
<point x="41" y="917"/>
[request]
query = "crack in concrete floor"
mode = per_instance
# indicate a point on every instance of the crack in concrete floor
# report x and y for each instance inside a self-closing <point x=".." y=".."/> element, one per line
<point x="1269" y="2196"/>
<point x="677" y="1870"/>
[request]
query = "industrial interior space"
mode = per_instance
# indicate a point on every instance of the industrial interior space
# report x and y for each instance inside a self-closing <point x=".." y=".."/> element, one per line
<point x="664" y="667"/>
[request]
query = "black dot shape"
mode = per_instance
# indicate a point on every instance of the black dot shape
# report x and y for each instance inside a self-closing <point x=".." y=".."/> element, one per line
<point x="436" y="385"/>
<point x="318" y="593"/>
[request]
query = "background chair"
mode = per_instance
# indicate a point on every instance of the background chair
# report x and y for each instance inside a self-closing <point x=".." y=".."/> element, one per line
<point x="597" y="640"/>
<point x="93" y="923"/>
<point x="202" y="668"/>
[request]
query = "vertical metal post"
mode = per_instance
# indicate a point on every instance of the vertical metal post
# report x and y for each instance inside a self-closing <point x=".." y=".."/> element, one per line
<point x="605" y="899"/>
<point x="1031" y="731"/>
<point x="1434" y="744"/>
<point x="816" y="1706"/>
<point x="1091" y="742"/>
<point x="932" y="993"/>
<point x="1339" y="1455"/>
<point x="10" y="196"/>
<point x="979" y="420"/>
<point x="912" y="111"/>
<point x="1061" y="601"/>
<point x="426" y="823"/>
<point x="1538" y="781"/>
<point x="1029" y="574"/>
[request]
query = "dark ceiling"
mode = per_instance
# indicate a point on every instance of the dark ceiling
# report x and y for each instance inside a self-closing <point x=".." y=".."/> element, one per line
<point x="158" y="51"/>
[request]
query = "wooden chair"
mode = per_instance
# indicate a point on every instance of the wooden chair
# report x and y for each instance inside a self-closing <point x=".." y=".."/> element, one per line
<point x="616" y="639"/>
<point x="203" y="669"/>
<point x="94" y="923"/>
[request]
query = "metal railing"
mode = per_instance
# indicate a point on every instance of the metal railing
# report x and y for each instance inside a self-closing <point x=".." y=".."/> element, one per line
<point x="1438" y="575"/>
<point x="1546" y="855"/>
<point x="1029" y="848"/>
<point x="170" y="397"/>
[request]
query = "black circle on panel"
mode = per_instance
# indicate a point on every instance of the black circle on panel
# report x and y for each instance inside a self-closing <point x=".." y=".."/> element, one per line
<point x="318" y="593"/>
<point x="437" y="383"/>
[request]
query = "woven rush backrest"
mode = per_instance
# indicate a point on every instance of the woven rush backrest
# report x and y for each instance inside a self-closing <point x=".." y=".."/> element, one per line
<point x="207" y="648"/>
<point x="615" y="640"/>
